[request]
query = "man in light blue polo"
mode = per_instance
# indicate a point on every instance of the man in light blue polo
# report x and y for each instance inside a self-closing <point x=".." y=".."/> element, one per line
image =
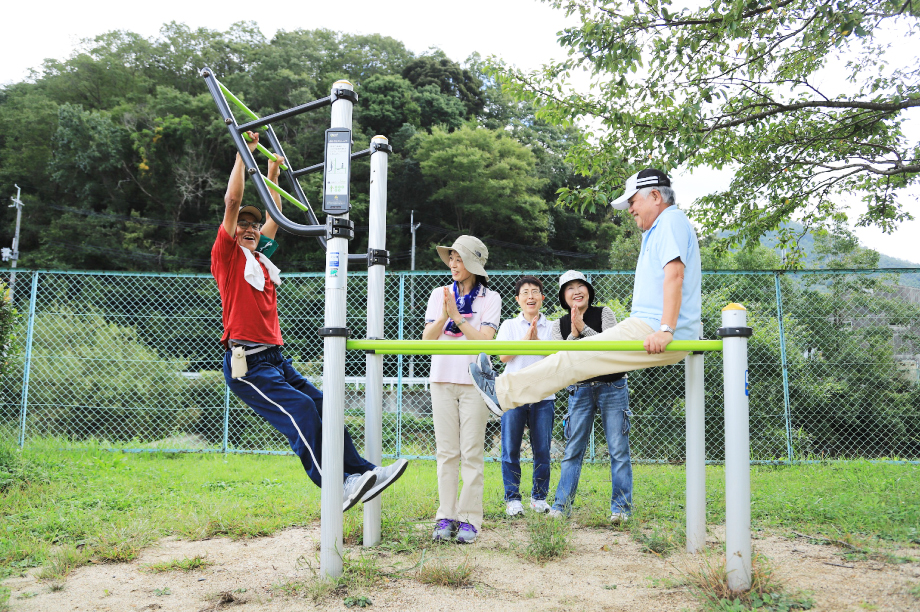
<point x="667" y="304"/>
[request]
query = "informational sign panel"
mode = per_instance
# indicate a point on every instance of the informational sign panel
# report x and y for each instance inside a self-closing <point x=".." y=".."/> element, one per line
<point x="337" y="172"/>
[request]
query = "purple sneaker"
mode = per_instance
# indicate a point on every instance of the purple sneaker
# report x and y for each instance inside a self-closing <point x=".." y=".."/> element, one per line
<point x="466" y="534"/>
<point x="444" y="530"/>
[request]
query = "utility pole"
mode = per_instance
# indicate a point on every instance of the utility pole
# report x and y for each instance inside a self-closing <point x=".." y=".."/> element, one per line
<point x="412" y="227"/>
<point x="13" y="254"/>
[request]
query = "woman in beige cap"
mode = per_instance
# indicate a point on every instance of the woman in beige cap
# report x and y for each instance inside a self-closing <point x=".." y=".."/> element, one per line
<point x="464" y="310"/>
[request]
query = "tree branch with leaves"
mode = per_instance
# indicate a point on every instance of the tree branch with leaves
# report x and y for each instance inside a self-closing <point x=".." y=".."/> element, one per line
<point x="805" y="101"/>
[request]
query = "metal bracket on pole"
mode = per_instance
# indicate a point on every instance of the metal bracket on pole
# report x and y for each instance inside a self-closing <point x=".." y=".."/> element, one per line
<point x="337" y="227"/>
<point x="341" y="93"/>
<point x="735" y="332"/>
<point x="378" y="257"/>
<point x="378" y="147"/>
<point x="334" y="332"/>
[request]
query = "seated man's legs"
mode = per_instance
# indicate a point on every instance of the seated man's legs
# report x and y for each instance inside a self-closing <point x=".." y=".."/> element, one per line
<point x="562" y="369"/>
<point x="578" y="431"/>
<point x="541" y="436"/>
<point x="613" y="404"/>
<point x="513" y="423"/>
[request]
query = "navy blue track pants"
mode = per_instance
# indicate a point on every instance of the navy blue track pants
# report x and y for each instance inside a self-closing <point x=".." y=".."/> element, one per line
<point x="293" y="406"/>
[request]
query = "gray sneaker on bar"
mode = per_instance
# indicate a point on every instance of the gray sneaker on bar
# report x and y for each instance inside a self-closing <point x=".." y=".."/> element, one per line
<point x="356" y="485"/>
<point x="385" y="477"/>
<point x="485" y="384"/>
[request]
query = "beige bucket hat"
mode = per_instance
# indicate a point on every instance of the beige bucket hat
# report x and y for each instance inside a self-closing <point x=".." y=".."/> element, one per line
<point x="473" y="252"/>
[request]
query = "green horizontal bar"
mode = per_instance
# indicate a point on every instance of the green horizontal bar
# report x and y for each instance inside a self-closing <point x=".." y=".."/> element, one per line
<point x="284" y="194"/>
<point x="516" y="347"/>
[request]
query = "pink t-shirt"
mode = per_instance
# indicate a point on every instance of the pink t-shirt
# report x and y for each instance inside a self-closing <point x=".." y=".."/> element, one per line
<point x="487" y="307"/>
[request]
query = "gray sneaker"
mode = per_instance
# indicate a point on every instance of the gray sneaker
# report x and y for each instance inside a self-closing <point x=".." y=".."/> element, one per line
<point x="485" y="362"/>
<point x="466" y="534"/>
<point x="444" y="530"/>
<point x="356" y="486"/>
<point x="385" y="477"/>
<point x="485" y="384"/>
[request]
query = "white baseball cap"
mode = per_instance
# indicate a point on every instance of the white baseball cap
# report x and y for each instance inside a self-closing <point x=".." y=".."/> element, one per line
<point x="650" y="177"/>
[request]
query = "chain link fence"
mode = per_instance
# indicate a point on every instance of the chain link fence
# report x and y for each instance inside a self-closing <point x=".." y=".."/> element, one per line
<point x="132" y="361"/>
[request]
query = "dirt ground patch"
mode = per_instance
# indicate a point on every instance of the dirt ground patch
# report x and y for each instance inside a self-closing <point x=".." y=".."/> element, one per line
<point x="606" y="570"/>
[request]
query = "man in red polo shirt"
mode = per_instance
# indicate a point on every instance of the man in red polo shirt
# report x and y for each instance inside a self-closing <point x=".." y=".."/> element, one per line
<point x="254" y="368"/>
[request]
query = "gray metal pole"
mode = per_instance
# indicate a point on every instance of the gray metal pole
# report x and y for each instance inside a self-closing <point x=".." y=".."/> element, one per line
<point x="735" y="333"/>
<point x="330" y="556"/>
<point x="373" y="389"/>
<point x="17" y="204"/>
<point x="696" y="452"/>
<point x="412" y="227"/>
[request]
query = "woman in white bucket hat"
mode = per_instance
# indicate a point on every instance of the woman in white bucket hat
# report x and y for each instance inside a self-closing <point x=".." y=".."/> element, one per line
<point x="464" y="310"/>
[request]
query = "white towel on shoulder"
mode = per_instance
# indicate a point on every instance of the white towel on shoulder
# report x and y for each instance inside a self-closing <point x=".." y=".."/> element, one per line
<point x="253" y="271"/>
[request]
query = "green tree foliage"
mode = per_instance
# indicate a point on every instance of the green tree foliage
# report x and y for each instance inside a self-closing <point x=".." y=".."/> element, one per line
<point x="8" y="320"/>
<point x="123" y="159"/>
<point x="742" y="84"/>
<point x="450" y="79"/>
<point x="481" y="179"/>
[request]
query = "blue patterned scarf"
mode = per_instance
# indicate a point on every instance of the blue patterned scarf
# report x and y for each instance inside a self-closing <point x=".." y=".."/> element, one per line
<point x="464" y="306"/>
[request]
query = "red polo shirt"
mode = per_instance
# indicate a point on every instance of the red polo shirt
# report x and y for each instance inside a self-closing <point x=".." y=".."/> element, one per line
<point x="248" y="314"/>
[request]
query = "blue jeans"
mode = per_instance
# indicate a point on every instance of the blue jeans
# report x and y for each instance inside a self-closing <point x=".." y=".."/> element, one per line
<point x="612" y="401"/>
<point x="539" y="418"/>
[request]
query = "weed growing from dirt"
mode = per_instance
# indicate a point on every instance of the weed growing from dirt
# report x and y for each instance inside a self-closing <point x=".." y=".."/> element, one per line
<point x="548" y="538"/>
<point x="662" y="541"/>
<point x="358" y="573"/>
<point x="63" y="561"/>
<point x="358" y="602"/>
<point x="444" y="572"/>
<point x="709" y="584"/>
<point x="915" y="591"/>
<point x="4" y="599"/>
<point x="123" y="544"/>
<point x="197" y="562"/>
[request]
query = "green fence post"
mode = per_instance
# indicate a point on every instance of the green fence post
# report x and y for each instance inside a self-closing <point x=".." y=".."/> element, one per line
<point x="785" y="364"/>
<point x="30" y="332"/>
<point x="399" y="365"/>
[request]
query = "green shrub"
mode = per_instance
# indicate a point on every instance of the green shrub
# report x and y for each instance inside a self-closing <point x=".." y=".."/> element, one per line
<point x="8" y="320"/>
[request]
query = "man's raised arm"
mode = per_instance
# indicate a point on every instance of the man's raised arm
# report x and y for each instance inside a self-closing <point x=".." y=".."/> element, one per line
<point x="270" y="228"/>
<point x="235" y="186"/>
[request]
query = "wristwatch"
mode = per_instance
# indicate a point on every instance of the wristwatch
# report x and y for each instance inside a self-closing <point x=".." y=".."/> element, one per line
<point x="666" y="328"/>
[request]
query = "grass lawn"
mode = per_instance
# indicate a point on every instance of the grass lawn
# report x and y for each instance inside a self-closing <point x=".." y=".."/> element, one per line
<point x="65" y="508"/>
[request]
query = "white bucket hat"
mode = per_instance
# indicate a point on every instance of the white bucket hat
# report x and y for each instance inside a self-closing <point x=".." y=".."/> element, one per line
<point x="471" y="250"/>
<point x="568" y="277"/>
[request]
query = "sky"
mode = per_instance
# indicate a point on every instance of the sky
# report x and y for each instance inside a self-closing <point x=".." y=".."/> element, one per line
<point x="522" y="32"/>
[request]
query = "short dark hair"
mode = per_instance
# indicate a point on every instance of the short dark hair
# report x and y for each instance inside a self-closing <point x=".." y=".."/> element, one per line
<point x="527" y="280"/>
<point x="482" y="280"/>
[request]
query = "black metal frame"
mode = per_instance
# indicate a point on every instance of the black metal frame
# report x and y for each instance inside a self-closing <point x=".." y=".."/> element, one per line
<point x="315" y="228"/>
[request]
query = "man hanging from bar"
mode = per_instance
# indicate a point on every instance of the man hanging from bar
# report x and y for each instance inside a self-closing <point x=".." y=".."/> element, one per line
<point x="666" y="305"/>
<point x="254" y="368"/>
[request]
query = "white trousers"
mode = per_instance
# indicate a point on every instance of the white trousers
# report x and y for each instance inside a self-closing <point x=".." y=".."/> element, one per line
<point x="560" y="370"/>
<point x="460" y="417"/>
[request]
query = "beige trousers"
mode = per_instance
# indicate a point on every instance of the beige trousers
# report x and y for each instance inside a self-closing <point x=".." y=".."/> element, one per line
<point x="560" y="370"/>
<point x="460" y="418"/>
